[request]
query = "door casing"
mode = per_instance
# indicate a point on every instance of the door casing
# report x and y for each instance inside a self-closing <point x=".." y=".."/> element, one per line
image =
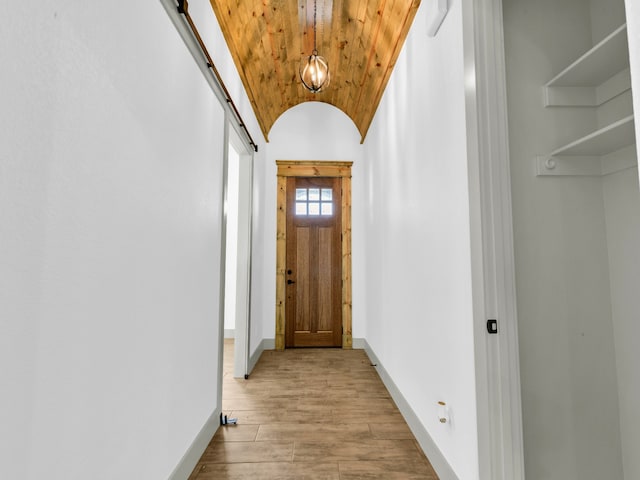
<point x="307" y="168"/>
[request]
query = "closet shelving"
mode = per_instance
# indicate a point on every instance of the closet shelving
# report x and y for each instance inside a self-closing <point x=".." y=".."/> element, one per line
<point x="598" y="76"/>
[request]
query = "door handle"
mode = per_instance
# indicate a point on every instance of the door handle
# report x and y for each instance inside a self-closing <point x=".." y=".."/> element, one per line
<point x="289" y="282"/>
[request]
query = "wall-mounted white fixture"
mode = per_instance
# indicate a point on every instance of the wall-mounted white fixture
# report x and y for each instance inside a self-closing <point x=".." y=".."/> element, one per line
<point x="443" y="412"/>
<point x="436" y="11"/>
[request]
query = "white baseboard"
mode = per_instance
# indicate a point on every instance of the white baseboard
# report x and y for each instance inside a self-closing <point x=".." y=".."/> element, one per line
<point x="194" y="452"/>
<point x="358" y="343"/>
<point x="429" y="447"/>
<point x="265" y="344"/>
<point x="229" y="333"/>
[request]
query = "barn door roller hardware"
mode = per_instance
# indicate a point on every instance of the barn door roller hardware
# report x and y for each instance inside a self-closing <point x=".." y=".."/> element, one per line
<point x="183" y="9"/>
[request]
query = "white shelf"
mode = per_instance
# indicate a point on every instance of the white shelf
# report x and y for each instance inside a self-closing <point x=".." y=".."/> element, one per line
<point x="590" y="154"/>
<point x="596" y="77"/>
<point x="602" y="142"/>
<point x="607" y="58"/>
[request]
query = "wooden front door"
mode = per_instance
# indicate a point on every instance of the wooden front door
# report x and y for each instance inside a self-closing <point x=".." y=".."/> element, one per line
<point x="313" y="262"/>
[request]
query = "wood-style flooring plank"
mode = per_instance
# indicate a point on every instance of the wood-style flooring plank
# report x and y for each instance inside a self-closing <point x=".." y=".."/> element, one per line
<point x="268" y="471"/>
<point x="366" y="449"/>
<point x="359" y="416"/>
<point x="247" y="452"/>
<point x="320" y="432"/>
<point x="387" y="470"/>
<point x="236" y="433"/>
<point x="271" y="417"/>
<point x="391" y="431"/>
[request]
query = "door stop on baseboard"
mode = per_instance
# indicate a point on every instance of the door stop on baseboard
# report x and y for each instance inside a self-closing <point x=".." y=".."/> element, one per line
<point x="227" y="421"/>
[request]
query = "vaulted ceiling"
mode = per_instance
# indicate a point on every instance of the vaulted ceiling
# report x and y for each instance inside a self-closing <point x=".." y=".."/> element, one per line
<point x="361" y="40"/>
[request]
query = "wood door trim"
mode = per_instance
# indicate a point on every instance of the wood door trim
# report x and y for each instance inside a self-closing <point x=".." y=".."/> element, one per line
<point x="306" y="168"/>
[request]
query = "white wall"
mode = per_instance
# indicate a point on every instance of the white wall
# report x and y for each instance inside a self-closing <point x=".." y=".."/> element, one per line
<point x="567" y="354"/>
<point x="416" y="238"/>
<point x="110" y="207"/>
<point x="622" y="204"/>
<point x="625" y="316"/>
<point x="622" y="209"/>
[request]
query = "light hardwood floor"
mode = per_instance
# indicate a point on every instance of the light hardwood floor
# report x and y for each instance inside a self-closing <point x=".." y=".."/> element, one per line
<point x="311" y="414"/>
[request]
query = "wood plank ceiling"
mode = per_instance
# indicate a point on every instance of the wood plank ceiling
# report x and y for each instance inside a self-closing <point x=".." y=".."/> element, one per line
<point x="361" y="39"/>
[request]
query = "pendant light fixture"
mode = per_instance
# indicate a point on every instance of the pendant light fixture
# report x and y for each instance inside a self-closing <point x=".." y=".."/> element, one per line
<point x="314" y="70"/>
